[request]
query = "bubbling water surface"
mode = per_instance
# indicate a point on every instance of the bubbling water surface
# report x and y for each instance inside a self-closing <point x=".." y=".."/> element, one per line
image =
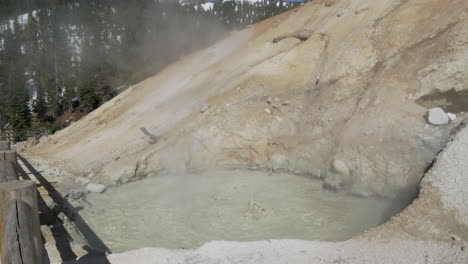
<point x="186" y="211"/>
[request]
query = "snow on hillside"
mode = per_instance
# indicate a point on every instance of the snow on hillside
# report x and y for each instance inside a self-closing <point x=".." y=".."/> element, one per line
<point x="210" y="3"/>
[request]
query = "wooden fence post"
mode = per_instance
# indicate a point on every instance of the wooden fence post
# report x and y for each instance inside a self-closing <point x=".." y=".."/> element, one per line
<point x="20" y="233"/>
<point x="4" y="145"/>
<point x="8" y="166"/>
<point x="9" y="135"/>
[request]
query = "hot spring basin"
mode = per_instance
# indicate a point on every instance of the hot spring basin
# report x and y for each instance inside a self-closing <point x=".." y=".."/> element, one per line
<point x="186" y="211"/>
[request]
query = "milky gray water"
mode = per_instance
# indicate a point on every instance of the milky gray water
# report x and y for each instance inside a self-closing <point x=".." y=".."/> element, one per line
<point x="187" y="211"/>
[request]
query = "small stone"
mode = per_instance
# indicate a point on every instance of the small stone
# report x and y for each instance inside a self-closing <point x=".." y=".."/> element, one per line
<point x="267" y="110"/>
<point x="332" y="181"/>
<point x="62" y="216"/>
<point x="452" y="117"/>
<point x="32" y="141"/>
<point x="340" y="168"/>
<point x="204" y="108"/>
<point x="82" y="180"/>
<point x="95" y="188"/>
<point x="329" y="2"/>
<point x="74" y="196"/>
<point x="437" y="117"/>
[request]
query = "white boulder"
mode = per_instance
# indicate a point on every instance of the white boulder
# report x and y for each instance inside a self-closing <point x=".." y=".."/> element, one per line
<point x="437" y="117"/>
<point x="95" y="188"/>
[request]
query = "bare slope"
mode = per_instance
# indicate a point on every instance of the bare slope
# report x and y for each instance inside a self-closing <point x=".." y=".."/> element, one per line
<point x="328" y="89"/>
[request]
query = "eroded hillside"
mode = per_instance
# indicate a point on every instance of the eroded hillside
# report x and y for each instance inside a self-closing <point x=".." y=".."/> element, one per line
<point x="334" y="89"/>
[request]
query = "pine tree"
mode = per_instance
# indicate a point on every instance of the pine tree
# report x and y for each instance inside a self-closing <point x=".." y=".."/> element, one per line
<point x="19" y="115"/>
<point x="33" y="53"/>
<point x="15" y="101"/>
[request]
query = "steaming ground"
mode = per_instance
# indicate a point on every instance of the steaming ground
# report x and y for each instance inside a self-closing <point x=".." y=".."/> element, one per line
<point x="346" y="105"/>
<point x="330" y="89"/>
<point x="187" y="211"/>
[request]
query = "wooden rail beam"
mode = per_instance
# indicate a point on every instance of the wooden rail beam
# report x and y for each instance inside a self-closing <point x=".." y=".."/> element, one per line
<point x="8" y="166"/>
<point x="9" y="155"/>
<point x="20" y="234"/>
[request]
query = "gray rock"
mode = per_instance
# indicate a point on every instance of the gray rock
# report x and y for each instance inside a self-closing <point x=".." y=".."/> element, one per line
<point x="95" y="188"/>
<point x="82" y="180"/>
<point x="437" y="117"/>
<point x="329" y="3"/>
<point x="452" y="117"/>
<point x="279" y="161"/>
<point x="370" y="132"/>
<point x="74" y="195"/>
<point x="338" y="176"/>
<point x="32" y="141"/>
<point x="204" y="108"/>
<point x="333" y="181"/>
<point x="340" y="168"/>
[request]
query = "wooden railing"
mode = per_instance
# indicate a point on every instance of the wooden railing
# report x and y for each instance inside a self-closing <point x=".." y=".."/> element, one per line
<point x="7" y="135"/>
<point x="20" y="234"/>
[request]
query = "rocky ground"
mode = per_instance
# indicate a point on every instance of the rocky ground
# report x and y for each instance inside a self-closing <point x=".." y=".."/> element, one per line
<point x="336" y="89"/>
